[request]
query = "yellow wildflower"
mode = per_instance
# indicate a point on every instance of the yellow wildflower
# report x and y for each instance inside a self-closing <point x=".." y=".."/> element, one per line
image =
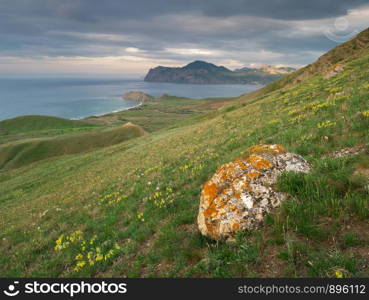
<point x="59" y="243"/>
<point x="366" y="86"/>
<point x="81" y="263"/>
<point x="99" y="257"/>
<point x="338" y="274"/>
<point x="326" y="124"/>
<point x="79" y="256"/>
<point x="365" y="113"/>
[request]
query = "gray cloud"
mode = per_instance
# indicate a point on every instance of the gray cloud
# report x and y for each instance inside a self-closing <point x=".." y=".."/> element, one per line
<point x="96" y="10"/>
<point x="237" y="31"/>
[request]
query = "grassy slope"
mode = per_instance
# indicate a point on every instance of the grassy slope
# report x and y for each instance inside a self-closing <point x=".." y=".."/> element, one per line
<point x="15" y="155"/>
<point x="39" y="126"/>
<point x="37" y="123"/>
<point x="24" y="140"/>
<point x="143" y="194"/>
<point x="162" y="112"/>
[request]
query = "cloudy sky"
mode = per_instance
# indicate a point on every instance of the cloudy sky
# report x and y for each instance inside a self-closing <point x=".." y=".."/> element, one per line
<point x="128" y="37"/>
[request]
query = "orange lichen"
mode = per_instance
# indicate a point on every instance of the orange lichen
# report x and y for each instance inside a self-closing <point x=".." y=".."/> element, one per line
<point x="241" y="164"/>
<point x="235" y="226"/>
<point x="210" y="194"/>
<point x="245" y="186"/>
<point x="232" y="207"/>
<point x="210" y="190"/>
<point x="258" y="162"/>
<point x="210" y="211"/>
<point x="252" y="175"/>
<point x="230" y="171"/>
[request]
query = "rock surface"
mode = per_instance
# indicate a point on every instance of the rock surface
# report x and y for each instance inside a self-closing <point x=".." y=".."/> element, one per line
<point x="336" y="70"/>
<point x="349" y="151"/>
<point x="241" y="193"/>
<point x="136" y="96"/>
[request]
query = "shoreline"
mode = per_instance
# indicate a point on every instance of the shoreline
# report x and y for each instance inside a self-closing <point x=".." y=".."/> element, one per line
<point x="194" y="91"/>
<point x="107" y="113"/>
<point x="80" y="118"/>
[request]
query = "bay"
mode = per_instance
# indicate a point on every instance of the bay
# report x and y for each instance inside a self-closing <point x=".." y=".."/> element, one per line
<point x="76" y="98"/>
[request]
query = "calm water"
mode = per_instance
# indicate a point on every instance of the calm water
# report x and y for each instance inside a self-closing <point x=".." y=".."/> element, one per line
<point x="77" y="98"/>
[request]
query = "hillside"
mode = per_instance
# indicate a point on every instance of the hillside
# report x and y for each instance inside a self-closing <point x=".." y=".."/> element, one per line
<point x="37" y="126"/>
<point x="37" y="123"/>
<point x="17" y="154"/>
<point x="130" y="209"/>
<point x="24" y="140"/>
<point x="200" y="72"/>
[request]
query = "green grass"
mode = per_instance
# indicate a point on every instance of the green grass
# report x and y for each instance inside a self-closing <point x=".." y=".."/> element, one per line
<point x="27" y="139"/>
<point x="38" y="123"/>
<point x="15" y="155"/>
<point x="38" y="126"/>
<point x="163" y="112"/>
<point x="143" y="194"/>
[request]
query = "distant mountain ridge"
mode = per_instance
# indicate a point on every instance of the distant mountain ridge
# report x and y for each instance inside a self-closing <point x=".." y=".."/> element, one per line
<point x="268" y="69"/>
<point x="201" y="72"/>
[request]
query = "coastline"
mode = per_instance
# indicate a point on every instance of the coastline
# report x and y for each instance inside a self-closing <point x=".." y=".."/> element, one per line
<point x="107" y="113"/>
<point x="198" y="91"/>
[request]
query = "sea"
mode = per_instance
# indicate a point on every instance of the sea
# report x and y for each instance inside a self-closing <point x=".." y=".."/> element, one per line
<point x="76" y="98"/>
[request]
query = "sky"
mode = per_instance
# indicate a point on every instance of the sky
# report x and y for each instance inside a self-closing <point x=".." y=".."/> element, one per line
<point x="128" y="37"/>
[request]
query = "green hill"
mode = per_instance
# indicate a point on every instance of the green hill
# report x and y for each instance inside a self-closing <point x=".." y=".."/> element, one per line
<point x="130" y="209"/>
<point x="37" y="126"/>
<point x="17" y="154"/>
<point x="38" y="123"/>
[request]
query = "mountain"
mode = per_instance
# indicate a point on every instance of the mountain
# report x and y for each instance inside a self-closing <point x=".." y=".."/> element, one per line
<point x="201" y="72"/>
<point x="202" y="65"/>
<point x="129" y="209"/>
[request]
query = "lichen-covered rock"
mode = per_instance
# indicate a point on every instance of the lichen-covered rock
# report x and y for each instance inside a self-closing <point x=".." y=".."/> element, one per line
<point x="241" y="192"/>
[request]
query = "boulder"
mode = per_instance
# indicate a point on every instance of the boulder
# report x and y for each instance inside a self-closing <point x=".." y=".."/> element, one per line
<point x="241" y="193"/>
